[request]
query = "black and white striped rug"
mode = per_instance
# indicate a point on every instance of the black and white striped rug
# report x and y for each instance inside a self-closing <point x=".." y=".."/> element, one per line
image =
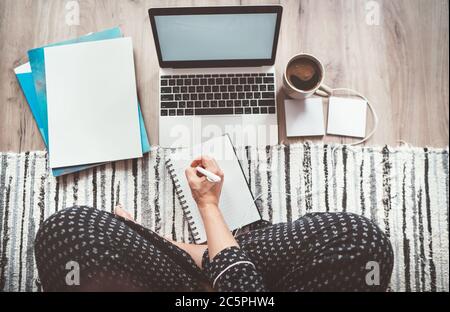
<point x="404" y="190"/>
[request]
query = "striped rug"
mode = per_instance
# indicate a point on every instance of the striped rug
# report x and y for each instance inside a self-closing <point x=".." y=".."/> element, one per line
<point x="404" y="190"/>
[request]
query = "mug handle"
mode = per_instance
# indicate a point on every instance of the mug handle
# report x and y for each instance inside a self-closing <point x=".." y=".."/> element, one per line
<point x="324" y="90"/>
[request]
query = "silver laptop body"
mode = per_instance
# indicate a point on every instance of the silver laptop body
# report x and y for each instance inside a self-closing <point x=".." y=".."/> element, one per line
<point x="217" y="74"/>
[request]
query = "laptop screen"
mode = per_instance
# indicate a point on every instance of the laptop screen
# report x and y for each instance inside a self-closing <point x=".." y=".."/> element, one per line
<point x="216" y="38"/>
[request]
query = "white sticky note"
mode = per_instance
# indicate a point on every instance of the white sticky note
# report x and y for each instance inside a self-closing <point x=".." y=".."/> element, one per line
<point x="347" y="117"/>
<point x="304" y="117"/>
<point x="92" y="103"/>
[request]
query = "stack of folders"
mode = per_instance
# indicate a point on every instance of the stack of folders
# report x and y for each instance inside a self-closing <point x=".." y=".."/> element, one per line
<point x="82" y="94"/>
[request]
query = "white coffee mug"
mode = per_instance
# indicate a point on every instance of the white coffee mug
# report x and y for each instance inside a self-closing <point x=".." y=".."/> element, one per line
<point x="318" y="88"/>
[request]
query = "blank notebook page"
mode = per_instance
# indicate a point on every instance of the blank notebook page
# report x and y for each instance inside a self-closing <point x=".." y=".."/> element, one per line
<point x="92" y="103"/>
<point x="236" y="200"/>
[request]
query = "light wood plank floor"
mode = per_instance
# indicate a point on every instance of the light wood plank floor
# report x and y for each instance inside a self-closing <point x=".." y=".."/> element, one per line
<point x="401" y="65"/>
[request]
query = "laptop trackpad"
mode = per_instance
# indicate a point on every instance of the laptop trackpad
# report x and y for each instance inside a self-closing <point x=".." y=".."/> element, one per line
<point x="213" y="126"/>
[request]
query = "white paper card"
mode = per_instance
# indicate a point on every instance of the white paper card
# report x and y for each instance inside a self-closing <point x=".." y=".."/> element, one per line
<point x="23" y="69"/>
<point x="304" y="117"/>
<point x="92" y="103"/>
<point x="347" y="117"/>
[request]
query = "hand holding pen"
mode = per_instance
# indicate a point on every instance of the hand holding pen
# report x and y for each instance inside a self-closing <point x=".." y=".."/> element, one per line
<point x="205" y="179"/>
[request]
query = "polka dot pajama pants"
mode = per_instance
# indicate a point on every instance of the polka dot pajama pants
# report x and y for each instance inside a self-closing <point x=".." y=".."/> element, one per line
<point x="317" y="252"/>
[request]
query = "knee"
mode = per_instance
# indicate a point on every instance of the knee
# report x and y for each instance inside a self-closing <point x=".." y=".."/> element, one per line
<point x="354" y="243"/>
<point x="367" y="246"/>
<point x="351" y="229"/>
<point x="65" y="224"/>
<point x="367" y="235"/>
<point x="72" y="234"/>
<point x="61" y="219"/>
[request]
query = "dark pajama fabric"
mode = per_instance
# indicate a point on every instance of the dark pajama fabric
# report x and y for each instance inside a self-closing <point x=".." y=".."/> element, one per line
<point x="317" y="252"/>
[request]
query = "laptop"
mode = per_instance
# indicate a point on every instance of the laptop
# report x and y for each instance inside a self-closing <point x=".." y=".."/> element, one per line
<point x="217" y="74"/>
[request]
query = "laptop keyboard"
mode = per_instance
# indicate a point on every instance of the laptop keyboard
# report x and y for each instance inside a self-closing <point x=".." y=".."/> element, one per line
<point x="218" y="94"/>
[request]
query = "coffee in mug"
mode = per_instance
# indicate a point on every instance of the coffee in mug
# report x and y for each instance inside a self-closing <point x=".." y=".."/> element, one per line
<point x="304" y="76"/>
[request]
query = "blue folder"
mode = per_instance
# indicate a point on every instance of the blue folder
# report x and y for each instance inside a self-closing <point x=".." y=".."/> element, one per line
<point x="33" y="84"/>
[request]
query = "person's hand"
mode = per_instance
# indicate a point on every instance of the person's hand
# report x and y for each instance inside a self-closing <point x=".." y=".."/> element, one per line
<point x="205" y="193"/>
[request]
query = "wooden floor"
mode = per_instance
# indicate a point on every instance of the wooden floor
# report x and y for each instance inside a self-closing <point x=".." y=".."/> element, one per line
<point x="401" y="65"/>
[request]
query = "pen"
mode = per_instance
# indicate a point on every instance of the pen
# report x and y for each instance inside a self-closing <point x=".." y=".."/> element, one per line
<point x="211" y="177"/>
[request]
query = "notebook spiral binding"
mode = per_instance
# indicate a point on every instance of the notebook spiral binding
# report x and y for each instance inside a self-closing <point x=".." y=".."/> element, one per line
<point x="180" y="195"/>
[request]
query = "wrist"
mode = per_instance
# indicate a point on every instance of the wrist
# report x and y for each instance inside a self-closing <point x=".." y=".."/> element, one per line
<point x="209" y="210"/>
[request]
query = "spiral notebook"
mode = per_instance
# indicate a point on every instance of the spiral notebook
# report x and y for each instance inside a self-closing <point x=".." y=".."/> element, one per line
<point x="236" y="200"/>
